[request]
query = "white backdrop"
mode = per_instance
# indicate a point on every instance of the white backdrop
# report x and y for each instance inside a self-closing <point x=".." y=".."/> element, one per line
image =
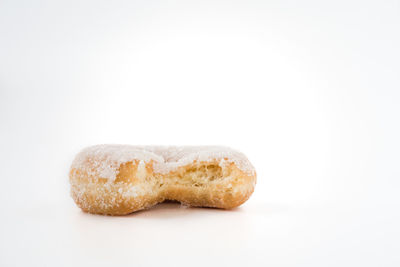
<point x="308" y="90"/>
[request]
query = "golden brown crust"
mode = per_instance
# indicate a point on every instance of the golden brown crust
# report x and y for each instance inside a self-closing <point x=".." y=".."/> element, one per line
<point x="137" y="187"/>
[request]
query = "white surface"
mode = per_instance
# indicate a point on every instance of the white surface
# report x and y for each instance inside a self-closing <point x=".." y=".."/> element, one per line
<point x="309" y="91"/>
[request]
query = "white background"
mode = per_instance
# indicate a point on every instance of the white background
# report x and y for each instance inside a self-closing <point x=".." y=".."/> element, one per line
<point x="308" y="90"/>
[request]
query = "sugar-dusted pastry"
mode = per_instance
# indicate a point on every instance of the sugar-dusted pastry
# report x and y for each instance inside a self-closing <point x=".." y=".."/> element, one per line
<point x="121" y="179"/>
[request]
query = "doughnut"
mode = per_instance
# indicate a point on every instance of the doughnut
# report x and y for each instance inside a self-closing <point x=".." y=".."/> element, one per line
<point x="121" y="179"/>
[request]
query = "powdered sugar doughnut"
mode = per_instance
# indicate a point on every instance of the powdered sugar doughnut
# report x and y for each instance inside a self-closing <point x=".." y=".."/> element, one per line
<point x="121" y="179"/>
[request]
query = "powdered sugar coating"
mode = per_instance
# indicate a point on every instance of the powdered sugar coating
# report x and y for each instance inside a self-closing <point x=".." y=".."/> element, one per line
<point x="106" y="159"/>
